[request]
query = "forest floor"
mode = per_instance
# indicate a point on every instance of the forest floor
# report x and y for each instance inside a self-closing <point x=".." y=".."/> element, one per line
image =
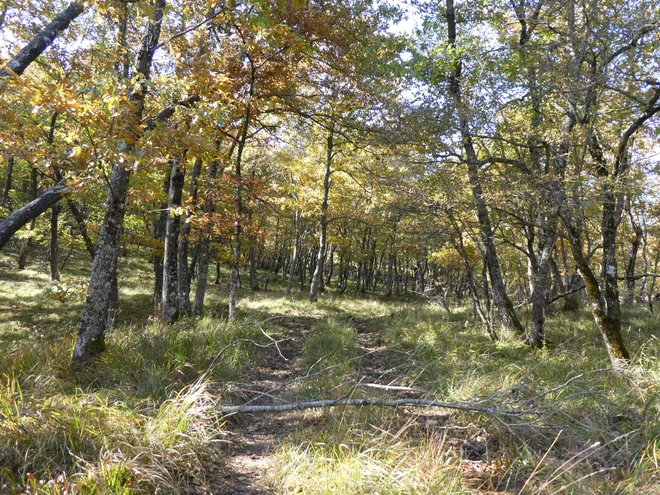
<point x="148" y="416"/>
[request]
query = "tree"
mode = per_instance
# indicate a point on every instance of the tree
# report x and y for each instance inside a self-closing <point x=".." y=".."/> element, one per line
<point x="502" y="300"/>
<point x="91" y="330"/>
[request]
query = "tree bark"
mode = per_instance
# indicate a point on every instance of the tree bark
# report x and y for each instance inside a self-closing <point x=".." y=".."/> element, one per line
<point x="170" y="297"/>
<point x="91" y="330"/>
<point x="17" y="65"/>
<point x="10" y="225"/>
<point x="27" y="246"/>
<point x="184" y="269"/>
<point x="252" y="261"/>
<point x="53" y="247"/>
<point x="632" y="258"/>
<point x="252" y="255"/>
<point x="296" y="251"/>
<point x="541" y="286"/>
<point x="389" y="282"/>
<point x="113" y="303"/>
<point x="160" y="226"/>
<point x="238" y="204"/>
<point x="203" y="270"/>
<point x="609" y="325"/>
<point x="6" y="200"/>
<point x="331" y="268"/>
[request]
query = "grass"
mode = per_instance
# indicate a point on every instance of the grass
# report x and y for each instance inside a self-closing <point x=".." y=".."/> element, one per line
<point x="354" y="455"/>
<point x="144" y="419"/>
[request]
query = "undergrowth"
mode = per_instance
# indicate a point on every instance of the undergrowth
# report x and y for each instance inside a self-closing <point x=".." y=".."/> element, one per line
<point x="144" y="418"/>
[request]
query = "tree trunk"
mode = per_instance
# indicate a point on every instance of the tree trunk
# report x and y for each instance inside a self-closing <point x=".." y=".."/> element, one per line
<point x="6" y="200"/>
<point x="632" y="258"/>
<point x="608" y="325"/>
<point x="296" y="252"/>
<point x="27" y="246"/>
<point x="331" y="268"/>
<point x="204" y="258"/>
<point x="542" y="280"/>
<point x="82" y="227"/>
<point x="160" y="226"/>
<point x="238" y="204"/>
<point x="53" y="246"/>
<point x="558" y="285"/>
<point x="29" y="53"/>
<point x="419" y="276"/>
<point x="113" y="303"/>
<point x="91" y="330"/>
<point x="504" y="305"/>
<point x="649" y="297"/>
<point x="184" y="269"/>
<point x="254" y="280"/>
<point x="645" y="257"/>
<point x="301" y="274"/>
<point x="389" y="283"/>
<point x="170" y="296"/>
<point x="317" y="278"/>
<point x="10" y="225"/>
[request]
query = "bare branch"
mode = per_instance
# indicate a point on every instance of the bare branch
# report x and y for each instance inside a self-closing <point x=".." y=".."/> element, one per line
<point x="315" y="404"/>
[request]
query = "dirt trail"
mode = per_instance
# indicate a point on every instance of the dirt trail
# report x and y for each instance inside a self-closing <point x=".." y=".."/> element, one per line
<point x="254" y="438"/>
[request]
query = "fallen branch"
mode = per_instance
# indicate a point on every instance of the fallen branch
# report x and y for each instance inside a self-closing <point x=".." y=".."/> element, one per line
<point x="315" y="404"/>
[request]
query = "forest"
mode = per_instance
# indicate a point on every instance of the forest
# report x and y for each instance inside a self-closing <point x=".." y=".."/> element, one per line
<point x="329" y="247"/>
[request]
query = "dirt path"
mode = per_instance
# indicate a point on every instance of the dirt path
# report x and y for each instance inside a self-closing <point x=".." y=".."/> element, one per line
<point x="254" y="438"/>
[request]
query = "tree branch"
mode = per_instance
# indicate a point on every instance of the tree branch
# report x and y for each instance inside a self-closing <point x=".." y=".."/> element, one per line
<point x="168" y="112"/>
<point x="17" y="65"/>
<point x="314" y="404"/>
